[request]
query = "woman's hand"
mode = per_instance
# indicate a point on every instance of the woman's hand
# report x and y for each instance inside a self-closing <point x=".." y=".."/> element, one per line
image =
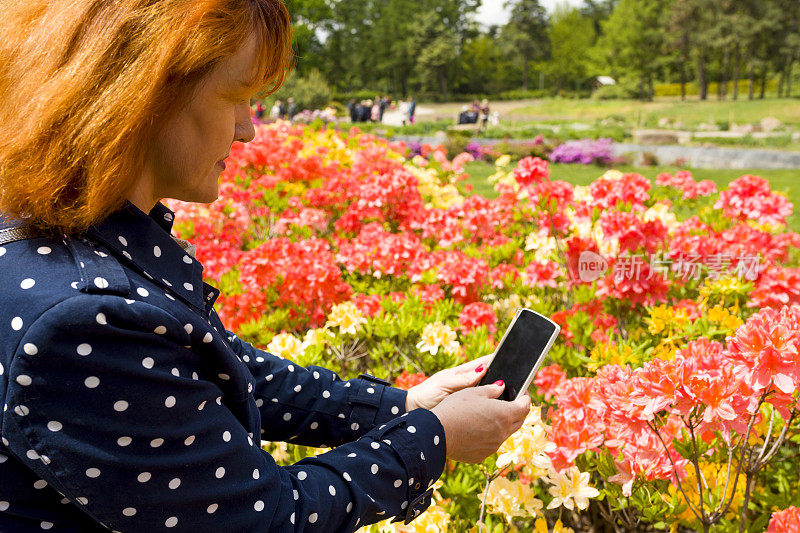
<point x="436" y="388"/>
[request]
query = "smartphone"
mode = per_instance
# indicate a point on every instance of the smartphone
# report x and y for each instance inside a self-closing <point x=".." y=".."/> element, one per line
<point x="521" y="352"/>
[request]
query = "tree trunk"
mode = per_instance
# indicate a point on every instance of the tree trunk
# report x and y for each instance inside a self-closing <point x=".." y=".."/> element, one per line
<point x="701" y="75"/>
<point x="736" y="63"/>
<point x="524" y="73"/>
<point x="541" y="80"/>
<point x="751" y="82"/>
<point x="789" y="78"/>
<point x="763" y="83"/>
<point x="683" y="81"/>
<point x="722" y="91"/>
<point x="781" y="82"/>
<point x="443" y="83"/>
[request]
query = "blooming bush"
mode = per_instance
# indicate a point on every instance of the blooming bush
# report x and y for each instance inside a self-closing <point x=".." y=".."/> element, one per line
<point x="670" y="399"/>
<point x="584" y="152"/>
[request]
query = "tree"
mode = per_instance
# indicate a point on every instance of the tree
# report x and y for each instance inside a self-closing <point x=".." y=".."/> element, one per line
<point x="526" y="33"/>
<point x="571" y="37"/>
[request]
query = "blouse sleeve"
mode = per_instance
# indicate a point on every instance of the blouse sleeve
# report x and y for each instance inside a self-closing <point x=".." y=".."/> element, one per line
<point x="102" y="408"/>
<point x="323" y="409"/>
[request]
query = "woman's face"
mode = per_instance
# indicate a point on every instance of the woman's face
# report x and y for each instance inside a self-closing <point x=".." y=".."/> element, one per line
<point x="186" y="158"/>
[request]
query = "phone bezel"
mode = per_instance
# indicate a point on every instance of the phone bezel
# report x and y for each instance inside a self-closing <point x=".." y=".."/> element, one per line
<point x="547" y="347"/>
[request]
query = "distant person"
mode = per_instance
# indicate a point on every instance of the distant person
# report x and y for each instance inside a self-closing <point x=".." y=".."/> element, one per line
<point x="405" y="112"/>
<point x="412" y="109"/>
<point x="485" y="112"/>
<point x="260" y="110"/>
<point x="275" y="112"/>
<point x="352" y="110"/>
<point x="291" y="109"/>
<point x="282" y="108"/>
<point x="364" y="111"/>
<point x="384" y="103"/>
<point x="375" y="113"/>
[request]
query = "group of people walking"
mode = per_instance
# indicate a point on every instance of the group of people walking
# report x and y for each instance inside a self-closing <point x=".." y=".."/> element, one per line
<point x="374" y="110"/>
<point x="280" y="110"/>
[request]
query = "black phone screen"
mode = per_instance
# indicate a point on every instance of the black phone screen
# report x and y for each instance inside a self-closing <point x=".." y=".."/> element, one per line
<point x="520" y="351"/>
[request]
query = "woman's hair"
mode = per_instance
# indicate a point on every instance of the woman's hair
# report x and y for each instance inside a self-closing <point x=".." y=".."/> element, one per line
<point x="85" y="84"/>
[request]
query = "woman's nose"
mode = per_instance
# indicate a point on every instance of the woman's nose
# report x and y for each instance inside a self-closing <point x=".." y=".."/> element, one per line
<point x="245" y="131"/>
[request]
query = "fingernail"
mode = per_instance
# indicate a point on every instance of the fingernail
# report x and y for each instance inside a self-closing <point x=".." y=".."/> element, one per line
<point x="499" y="382"/>
<point x="479" y="369"/>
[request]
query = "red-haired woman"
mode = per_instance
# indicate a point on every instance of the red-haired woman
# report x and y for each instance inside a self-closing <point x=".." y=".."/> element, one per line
<point x="127" y="404"/>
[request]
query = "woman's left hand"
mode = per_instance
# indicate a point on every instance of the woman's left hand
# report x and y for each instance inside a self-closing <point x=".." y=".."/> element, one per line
<point x="433" y="390"/>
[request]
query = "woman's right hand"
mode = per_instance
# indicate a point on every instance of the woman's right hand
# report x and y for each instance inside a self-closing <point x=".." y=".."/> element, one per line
<point x="476" y="423"/>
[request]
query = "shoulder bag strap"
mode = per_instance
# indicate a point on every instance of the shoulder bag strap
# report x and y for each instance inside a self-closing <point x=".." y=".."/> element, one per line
<point x="16" y="233"/>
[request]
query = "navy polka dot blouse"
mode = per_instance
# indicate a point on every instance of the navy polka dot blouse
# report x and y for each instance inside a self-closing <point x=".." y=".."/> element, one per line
<point x="127" y="406"/>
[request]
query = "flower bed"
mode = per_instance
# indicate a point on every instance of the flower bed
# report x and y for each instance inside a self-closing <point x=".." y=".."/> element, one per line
<point x="670" y="401"/>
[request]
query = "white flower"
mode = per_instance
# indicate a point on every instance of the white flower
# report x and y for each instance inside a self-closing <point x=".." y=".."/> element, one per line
<point x="571" y="489"/>
<point x="436" y="336"/>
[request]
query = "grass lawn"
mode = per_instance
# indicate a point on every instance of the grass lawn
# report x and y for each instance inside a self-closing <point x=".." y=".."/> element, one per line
<point x="647" y="114"/>
<point x="785" y="181"/>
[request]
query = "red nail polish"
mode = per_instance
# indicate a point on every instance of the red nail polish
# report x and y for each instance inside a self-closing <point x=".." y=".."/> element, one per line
<point x="499" y="382"/>
<point x="479" y="369"/>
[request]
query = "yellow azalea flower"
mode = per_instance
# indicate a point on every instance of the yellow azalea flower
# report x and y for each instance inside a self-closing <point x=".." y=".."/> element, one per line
<point x="438" y="336"/>
<point x="505" y="308"/>
<point x="664" y="213"/>
<point x="286" y="345"/>
<point x="508" y="180"/>
<point x="529" y="445"/>
<point x="540" y="526"/>
<point x="543" y="245"/>
<point x="582" y="193"/>
<point x="503" y="160"/>
<point x="612" y="175"/>
<point x="347" y="317"/>
<point x="571" y="489"/>
<point x="717" y="289"/>
<point x="665" y="351"/>
<point x="318" y="336"/>
<point x="511" y="498"/>
<point x="609" y="353"/>
<point x="666" y="321"/>
<point x="608" y="246"/>
<point x="724" y="318"/>
<point x="435" y="520"/>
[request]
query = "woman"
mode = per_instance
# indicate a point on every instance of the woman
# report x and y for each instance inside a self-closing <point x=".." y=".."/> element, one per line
<point x="128" y="405"/>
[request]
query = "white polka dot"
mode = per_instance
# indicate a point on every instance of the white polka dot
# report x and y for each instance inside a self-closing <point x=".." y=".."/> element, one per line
<point x="326" y="394"/>
<point x="175" y="372"/>
<point x="226" y="436"/>
<point x="371" y="390"/>
<point x="30" y="349"/>
<point x="332" y="490"/>
<point x="148" y="362"/>
<point x="295" y="495"/>
<point x="170" y="401"/>
<point x="32" y="455"/>
<point x="436" y="440"/>
<point x="3" y="458"/>
<point x="175" y="483"/>
<point x="157" y="251"/>
<point x="404" y="505"/>
<point x="256" y="474"/>
<point x="313" y="518"/>
<point x="269" y="377"/>
<point x="314" y="425"/>
<point x="142" y="292"/>
<point x="101" y="283"/>
<point x="101" y="319"/>
<point x="316" y="374"/>
<point x="212" y="508"/>
<point x="351" y="455"/>
<point x="46" y="525"/>
<point x="124" y="441"/>
<point x="375" y="445"/>
<point x="82" y="500"/>
<point x="189" y="328"/>
<point x="122" y="240"/>
<point x="129" y="511"/>
<point x="374" y="469"/>
<point x="298" y="388"/>
<point x="220" y="473"/>
<point x="74" y="285"/>
<point x="144" y="477"/>
<point x="411" y="429"/>
<point x="120" y="405"/>
<point x="258" y="506"/>
<point x="92" y="382"/>
<point x="224" y="377"/>
<point x="39" y="485"/>
<point x="287" y="416"/>
<point x="3" y="506"/>
<point x="349" y="507"/>
<point x="188" y="286"/>
<point x="24" y="380"/>
<point x="301" y="475"/>
<point x="54" y="425"/>
<point x="22" y="410"/>
<point x="207" y="337"/>
<point x="155" y="443"/>
<point x="43" y="250"/>
<point x="84" y="349"/>
<point x="126" y="254"/>
<point x="160" y="330"/>
<point x="291" y="518"/>
<point x="166" y="282"/>
<point x="27" y="283"/>
<point x="45" y="459"/>
<point x="172" y="521"/>
<point x="422" y="455"/>
<point x="346" y="476"/>
<point x="395" y="410"/>
<point x="169" y="296"/>
<point x="397" y="483"/>
<point x="189" y="440"/>
<point x="16" y="323"/>
<point x="290" y="368"/>
<point x="354" y="426"/>
<point x="92" y="472"/>
<point x="187" y="259"/>
<point x="201" y="406"/>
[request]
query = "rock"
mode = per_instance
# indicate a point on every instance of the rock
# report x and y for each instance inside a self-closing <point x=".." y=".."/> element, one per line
<point x="664" y="122"/>
<point x="655" y="137"/>
<point x="770" y="124"/>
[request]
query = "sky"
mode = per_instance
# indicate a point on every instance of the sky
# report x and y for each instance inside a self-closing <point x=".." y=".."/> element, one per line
<point x="492" y="12"/>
